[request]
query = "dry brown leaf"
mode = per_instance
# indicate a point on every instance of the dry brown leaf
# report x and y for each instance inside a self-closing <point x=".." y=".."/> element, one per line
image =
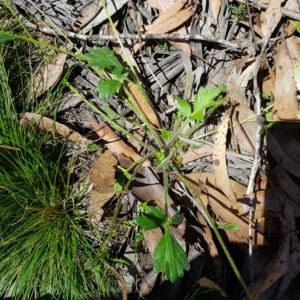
<point x="237" y="79"/>
<point x="168" y="12"/>
<point x="268" y="87"/>
<point x="205" y="282"/>
<point x="103" y="173"/>
<point x="152" y="238"/>
<point x="273" y="7"/>
<point x="114" y="143"/>
<point x="161" y="5"/>
<point x="49" y="74"/>
<point x="212" y="248"/>
<point x="96" y="202"/>
<point x="53" y="127"/>
<point x="195" y="154"/>
<point x="144" y="105"/>
<point x="168" y="9"/>
<point x="277" y="267"/>
<point x="120" y="53"/>
<point x="215" y="8"/>
<point x="293" y="47"/>
<point x="103" y="178"/>
<point x="244" y="133"/>
<point x="285" y="103"/>
<point x="172" y="23"/>
<point x="147" y="283"/>
<point x="226" y="210"/>
<point x="88" y="12"/>
<point x="292" y="271"/>
<point x="219" y="161"/>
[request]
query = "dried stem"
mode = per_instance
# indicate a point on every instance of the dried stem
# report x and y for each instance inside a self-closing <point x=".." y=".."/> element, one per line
<point x="257" y="158"/>
<point x="95" y="39"/>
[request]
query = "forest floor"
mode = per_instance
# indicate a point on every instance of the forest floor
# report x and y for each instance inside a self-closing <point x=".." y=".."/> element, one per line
<point x="149" y="150"/>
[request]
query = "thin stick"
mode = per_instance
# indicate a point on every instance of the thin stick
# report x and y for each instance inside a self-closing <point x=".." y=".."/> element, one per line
<point x="251" y="25"/>
<point x="257" y="158"/>
<point x="168" y="36"/>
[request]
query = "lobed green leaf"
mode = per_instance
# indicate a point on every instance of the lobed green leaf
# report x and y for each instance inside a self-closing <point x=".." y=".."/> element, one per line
<point x="184" y="107"/>
<point x="169" y="256"/>
<point x="108" y="88"/>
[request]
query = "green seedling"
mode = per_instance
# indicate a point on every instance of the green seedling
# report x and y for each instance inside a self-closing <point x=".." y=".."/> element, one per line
<point x="205" y="102"/>
<point x="240" y="11"/>
<point x="166" y="134"/>
<point x="168" y="255"/>
<point x="94" y="148"/>
<point x="162" y="45"/>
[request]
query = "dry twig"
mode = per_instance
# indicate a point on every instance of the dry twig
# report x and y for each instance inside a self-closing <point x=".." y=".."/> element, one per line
<point x="95" y="39"/>
<point x="257" y="157"/>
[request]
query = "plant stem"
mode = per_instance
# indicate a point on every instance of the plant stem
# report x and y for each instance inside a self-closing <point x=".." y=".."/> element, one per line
<point x="212" y="223"/>
<point x="165" y="185"/>
<point x="117" y="209"/>
<point x="111" y="122"/>
<point x="177" y="133"/>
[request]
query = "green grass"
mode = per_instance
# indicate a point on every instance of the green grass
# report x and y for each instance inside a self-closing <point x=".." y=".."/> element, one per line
<point x="43" y="247"/>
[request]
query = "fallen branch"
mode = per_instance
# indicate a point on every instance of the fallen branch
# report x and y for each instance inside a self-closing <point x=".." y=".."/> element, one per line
<point x="96" y="39"/>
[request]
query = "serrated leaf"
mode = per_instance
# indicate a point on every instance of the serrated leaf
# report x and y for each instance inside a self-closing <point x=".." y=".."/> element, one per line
<point x="105" y="59"/>
<point x="156" y="211"/>
<point x="152" y="220"/>
<point x="199" y="116"/>
<point x="184" y="107"/>
<point x="169" y="256"/>
<point x="176" y="219"/>
<point x="108" y="88"/>
<point x="205" y="99"/>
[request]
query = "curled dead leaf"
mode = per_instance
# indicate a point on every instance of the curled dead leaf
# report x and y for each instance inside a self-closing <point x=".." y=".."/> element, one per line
<point x="277" y="267"/>
<point x="114" y="143"/>
<point x="205" y="282"/>
<point x="49" y="74"/>
<point x="219" y="161"/>
<point x="103" y="178"/>
<point x="285" y="103"/>
<point x="144" y="105"/>
<point x="54" y="127"/>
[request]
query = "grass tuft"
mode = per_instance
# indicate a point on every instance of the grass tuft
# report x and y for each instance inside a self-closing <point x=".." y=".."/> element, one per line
<point x="43" y="246"/>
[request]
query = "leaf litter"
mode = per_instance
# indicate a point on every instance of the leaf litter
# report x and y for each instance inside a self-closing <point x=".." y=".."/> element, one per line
<point x="222" y="150"/>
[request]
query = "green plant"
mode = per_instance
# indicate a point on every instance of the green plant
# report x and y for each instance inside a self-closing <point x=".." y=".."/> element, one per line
<point x="240" y="11"/>
<point x="43" y="246"/>
<point x="168" y="255"/>
<point x="164" y="148"/>
<point x="298" y="26"/>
